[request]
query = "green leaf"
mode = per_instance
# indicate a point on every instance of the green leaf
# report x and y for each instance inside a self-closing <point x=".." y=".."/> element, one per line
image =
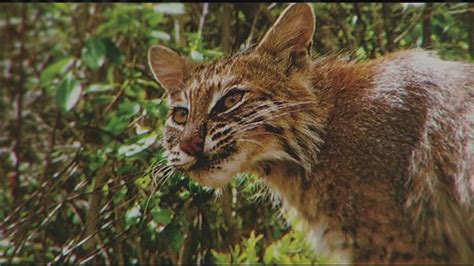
<point x="250" y="247"/>
<point x="196" y="56"/>
<point x="135" y="90"/>
<point x="113" y="53"/>
<point x="184" y="194"/>
<point x="221" y="258"/>
<point x="120" y="195"/>
<point x="268" y="255"/>
<point x="170" y="8"/>
<point x="211" y="54"/>
<point x="128" y="109"/>
<point x="94" y="53"/>
<point x="54" y="69"/>
<point x="140" y="145"/>
<point x="116" y="124"/>
<point x="68" y="93"/>
<point x="173" y="236"/>
<point x="132" y="216"/>
<point x="62" y="6"/>
<point x="161" y="35"/>
<point x="151" y="107"/>
<point x="143" y="182"/>
<point x="98" y="88"/>
<point x="149" y="83"/>
<point x="102" y="99"/>
<point x="162" y="216"/>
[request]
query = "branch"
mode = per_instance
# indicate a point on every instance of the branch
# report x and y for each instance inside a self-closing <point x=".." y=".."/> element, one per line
<point x="16" y="134"/>
<point x="421" y="16"/>
<point x="52" y="142"/>
<point x="94" y="208"/>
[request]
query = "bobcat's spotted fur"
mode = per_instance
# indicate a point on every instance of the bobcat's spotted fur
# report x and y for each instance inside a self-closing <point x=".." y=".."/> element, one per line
<point x="376" y="157"/>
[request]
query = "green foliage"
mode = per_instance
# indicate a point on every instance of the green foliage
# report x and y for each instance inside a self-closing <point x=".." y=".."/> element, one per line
<point x="292" y="248"/>
<point x="239" y="255"/>
<point x="68" y="94"/>
<point x="93" y="54"/>
<point x="82" y="175"/>
<point x="57" y="68"/>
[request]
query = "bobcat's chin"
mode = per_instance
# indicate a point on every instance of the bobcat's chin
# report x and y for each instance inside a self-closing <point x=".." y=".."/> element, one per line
<point x="249" y="158"/>
<point x="220" y="175"/>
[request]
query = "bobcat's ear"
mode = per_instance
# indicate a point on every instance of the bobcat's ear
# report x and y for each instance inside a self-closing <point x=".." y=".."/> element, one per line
<point x="293" y="30"/>
<point x="168" y="67"/>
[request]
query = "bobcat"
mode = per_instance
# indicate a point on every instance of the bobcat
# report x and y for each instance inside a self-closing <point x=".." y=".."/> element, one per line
<point x="376" y="157"/>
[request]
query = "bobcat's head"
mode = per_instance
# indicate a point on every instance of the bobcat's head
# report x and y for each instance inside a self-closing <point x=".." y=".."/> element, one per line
<point x="237" y="113"/>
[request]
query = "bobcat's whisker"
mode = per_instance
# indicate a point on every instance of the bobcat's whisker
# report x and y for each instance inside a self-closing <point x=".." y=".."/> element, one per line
<point x="276" y="108"/>
<point x="252" y="125"/>
<point x="165" y="177"/>
<point x="261" y="112"/>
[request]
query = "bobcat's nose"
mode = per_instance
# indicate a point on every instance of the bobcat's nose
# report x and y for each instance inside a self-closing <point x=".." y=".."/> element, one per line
<point x="192" y="145"/>
<point x="193" y="141"/>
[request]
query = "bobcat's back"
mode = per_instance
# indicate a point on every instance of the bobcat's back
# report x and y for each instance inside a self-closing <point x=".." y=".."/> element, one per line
<point x="400" y="139"/>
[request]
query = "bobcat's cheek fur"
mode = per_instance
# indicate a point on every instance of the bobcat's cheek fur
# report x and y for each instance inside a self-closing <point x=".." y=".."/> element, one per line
<point x="376" y="157"/>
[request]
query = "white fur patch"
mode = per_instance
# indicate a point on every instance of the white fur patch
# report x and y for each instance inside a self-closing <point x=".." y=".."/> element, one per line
<point x="327" y="245"/>
<point x="182" y="157"/>
<point x="392" y="77"/>
<point x="221" y="177"/>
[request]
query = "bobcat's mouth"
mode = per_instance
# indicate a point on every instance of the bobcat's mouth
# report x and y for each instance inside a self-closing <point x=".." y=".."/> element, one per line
<point x="214" y="170"/>
<point x="198" y="164"/>
<point x="202" y="163"/>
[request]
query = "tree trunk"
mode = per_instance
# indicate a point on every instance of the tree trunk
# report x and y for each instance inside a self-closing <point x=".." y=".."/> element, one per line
<point x="470" y="23"/>
<point x="225" y="18"/>
<point x="387" y="19"/>
<point x="427" y="42"/>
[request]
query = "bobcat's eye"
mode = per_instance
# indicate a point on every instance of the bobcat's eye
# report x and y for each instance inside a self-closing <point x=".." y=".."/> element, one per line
<point x="180" y="115"/>
<point x="233" y="98"/>
<point x="228" y="101"/>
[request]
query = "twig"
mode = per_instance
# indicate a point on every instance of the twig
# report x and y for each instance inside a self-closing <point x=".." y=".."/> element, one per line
<point x="253" y="27"/>
<point x="119" y="93"/>
<point x="41" y="193"/>
<point x="413" y="23"/>
<point x="52" y="142"/>
<point x="421" y="16"/>
<point x="202" y="19"/>
<point x="94" y="209"/>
